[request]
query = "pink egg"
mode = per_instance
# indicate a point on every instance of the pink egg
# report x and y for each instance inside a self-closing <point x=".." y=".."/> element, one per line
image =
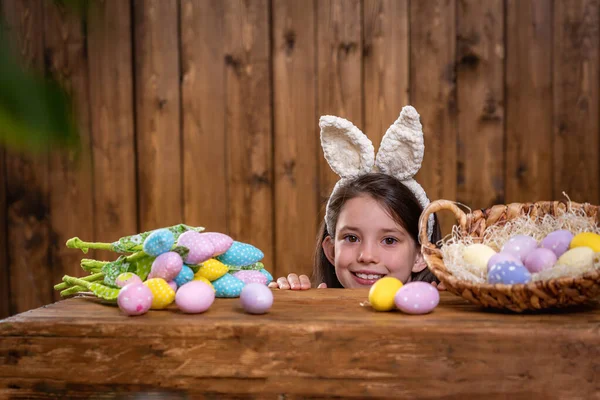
<point x="519" y="246"/>
<point x="201" y="248"/>
<point x="126" y="278"/>
<point x="251" y="276"/>
<point x="501" y="257"/>
<point x="557" y="241"/>
<point x="166" y="266"/>
<point x="194" y="297"/>
<point x="173" y="285"/>
<point x="256" y="298"/>
<point x="539" y="260"/>
<point x="135" y="299"/>
<point x="221" y="242"/>
<point x="417" y="298"/>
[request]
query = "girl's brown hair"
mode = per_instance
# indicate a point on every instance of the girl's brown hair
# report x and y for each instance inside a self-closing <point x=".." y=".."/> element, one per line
<point x="395" y="197"/>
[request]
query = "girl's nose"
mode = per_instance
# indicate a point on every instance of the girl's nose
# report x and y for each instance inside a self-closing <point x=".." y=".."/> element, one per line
<point x="368" y="254"/>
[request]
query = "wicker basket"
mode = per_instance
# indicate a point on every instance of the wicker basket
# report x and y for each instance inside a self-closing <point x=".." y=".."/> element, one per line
<point x="538" y="295"/>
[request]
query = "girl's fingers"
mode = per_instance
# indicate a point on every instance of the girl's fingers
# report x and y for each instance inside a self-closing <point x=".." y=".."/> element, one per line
<point x="273" y="285"/>
<point x="294" y="281"/>
<point x="322" y="286"/>
<point x="283" y="283"/>
<point x="304" y="282"/>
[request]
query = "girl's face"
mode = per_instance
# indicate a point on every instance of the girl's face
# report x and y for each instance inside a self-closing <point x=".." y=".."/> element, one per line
<point x="369" y="245"/>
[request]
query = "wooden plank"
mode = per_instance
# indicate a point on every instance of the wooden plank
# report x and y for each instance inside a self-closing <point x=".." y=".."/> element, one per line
<point x="480" y="92"/>
<point x="112" y="125"/>
<point x="296" y="135"/>
<point x="203" y="114"/>
<point x="433" y="94"/>
<point x="386" y="64"/>
<point x="27" y="202"/>
<point x="71" y="197"/>
<point x="5" y="295"/>
<point x="157" y="113"/>
<point x="529" y="165"/>
<point x="339" y="73"/>
<point x="576" y="86"/>
<point x="248" y="129"/>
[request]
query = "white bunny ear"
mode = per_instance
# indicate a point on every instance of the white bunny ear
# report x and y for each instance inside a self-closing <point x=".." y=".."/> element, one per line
<point x="402" y="147"/>
<point x="347" y="150"/>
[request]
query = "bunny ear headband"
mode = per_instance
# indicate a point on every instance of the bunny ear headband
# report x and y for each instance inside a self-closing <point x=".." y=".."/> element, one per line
<point x="350" y="153"/>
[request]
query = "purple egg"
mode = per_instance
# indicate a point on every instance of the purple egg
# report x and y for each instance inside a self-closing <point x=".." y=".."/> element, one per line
<point x="502" y="257"/>
<point x="166" y="266"/>
<point x="135" y="299"/>
<point x="539" y="260"/>
<point x="557" y="241"/>
<point x="508" y="273"/>
<point x="417" y="298"/>
<point x="256" y="298"/>
<point x="519" y="246"/>
<point x="173" y="285"/>
<point x="194" y="297"/>
<point x="251" y="276"/>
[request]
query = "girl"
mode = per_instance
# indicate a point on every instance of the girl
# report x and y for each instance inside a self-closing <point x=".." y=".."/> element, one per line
<point x="371" y="223"/>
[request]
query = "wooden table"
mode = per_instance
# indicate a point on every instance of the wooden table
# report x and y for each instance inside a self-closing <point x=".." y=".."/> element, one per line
<point x="318" y="343"/>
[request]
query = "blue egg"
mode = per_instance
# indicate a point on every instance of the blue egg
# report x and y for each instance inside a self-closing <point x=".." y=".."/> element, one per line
<point x="228" y="286"/>
<point x="508" y="273"/>
<point x="241" y="254"/>
<point x="158" y="242"/>
<point x="267" y="274"/>
<point x="185" y="276"/>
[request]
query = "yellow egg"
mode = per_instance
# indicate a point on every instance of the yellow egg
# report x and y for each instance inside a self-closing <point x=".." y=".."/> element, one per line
<point x="212" y="269"/>
<point x="162" y="293"/>
<point x="203" y="279"/>
<point x="478" y="255"/>
<point x="586" y="239"/>
<point x="579" y="257"/>
<point x="381" y="295"/>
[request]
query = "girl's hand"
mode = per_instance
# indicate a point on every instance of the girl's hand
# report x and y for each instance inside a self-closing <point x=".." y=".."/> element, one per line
<point x="294" y="282"/>
<point x="439" y="287"/>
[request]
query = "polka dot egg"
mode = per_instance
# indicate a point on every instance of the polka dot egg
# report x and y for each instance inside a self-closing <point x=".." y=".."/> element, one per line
<point x="158" y="242"/>
<point x="251" y="276"/>
<point x="185" y="275"/>
<point x="267" y="274"/>
<point x="508" y="273"/>
<point x="221" y="242"/>
<point x="134" y="299"/>
<point x="241" y="254"/>
<point x="212" y="269"/>
<point x="201" y="248"/>
<point x="417" y="298"/>
<point x="228" y="286"/>
<point x="166" y="266"/>
<point x="162" y="293"/>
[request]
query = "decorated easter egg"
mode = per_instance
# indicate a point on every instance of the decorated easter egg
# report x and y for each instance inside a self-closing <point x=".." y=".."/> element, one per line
<point x="557" y="241"/>
<point x="256" y="298"/>
<point x="586" y="239"/>
<point x="579" y="257"/>
<point x="203" y="279"/>
<point x="173" y="285"/>
<point x="166" y="266"/>
<point x="519" y="246"/>
<point x="221" y="242"/>
<point x="251" y="276"/>
<point x="201" y="248"/>
<point x="185" y="275"/>
<point x="478" y="255"/>
<point x="381" y="294"/>
<point x="126" y="278"/>
<point x="228" y="286"/>
<point x="241" y="254"/>
<point x="134" y="299"/>
<point x="539" y="260"/>
<point x="501" y="257"/>
<point x="212" y="269"/>
<point x="417" y="298"/>
<point x="158" y="242"/>
<point x="162" y="293"/>
<point x="195" y="297"/>
<point x="267" y="274"/>
<point x="508" y="273"/>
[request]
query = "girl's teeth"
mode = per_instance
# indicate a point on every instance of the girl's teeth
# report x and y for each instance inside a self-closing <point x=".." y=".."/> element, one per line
<point x="369" y="276"/>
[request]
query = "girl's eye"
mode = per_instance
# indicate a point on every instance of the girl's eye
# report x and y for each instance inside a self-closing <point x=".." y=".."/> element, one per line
<point x="390" y="240"/>
<point x="351" y="238"/>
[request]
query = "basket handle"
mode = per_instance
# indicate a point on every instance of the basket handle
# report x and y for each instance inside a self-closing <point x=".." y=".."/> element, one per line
<point x="433" y="207"/>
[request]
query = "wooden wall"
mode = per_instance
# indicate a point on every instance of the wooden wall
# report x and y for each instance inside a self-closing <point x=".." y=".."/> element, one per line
<point x="206" y="112"/>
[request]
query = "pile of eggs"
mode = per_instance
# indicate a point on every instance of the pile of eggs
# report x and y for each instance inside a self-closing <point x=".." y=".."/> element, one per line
<point x="521" y="256"/>
<point x="171" y="278"/>
<point x="389" y="293"/>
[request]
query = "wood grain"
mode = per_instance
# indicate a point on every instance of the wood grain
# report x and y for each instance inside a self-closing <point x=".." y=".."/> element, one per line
<point x="157" y="113"/>
<point x="529" y="138"/>
<point x="296" y="136"/>
<point x="576" y="93"/>
<point x="80" y="344"/>
<point x="480" y="99"/>
<point x="5" y="294"/>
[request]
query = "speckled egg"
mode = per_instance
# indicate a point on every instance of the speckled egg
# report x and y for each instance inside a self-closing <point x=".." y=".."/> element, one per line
<point x="201" y="248"/>
<point x="579" y="257"/>
<point x="502" y="257"/>
<point x="586" y="239"/>
<point x="166" y="266"/>
<point x="134" y="299"/>
<point x="195" y="297"/>
<point x="519" y="246"/>
<point x="221" y="242"/>
<point x="417" y="298"/>
<point x="158" y="242"/>
<point x="162" y="293"/>
<point x="539" y="259"/>
<point x="173" y="285"/>
<point x="212" y="269"/>
<point x="557" y="241"/>
<point x="381" y="294"/>
<point x="478" y="255"/>
<point x="241" y="254"/>
<point x="228" y="286"/>
<point x="185" y="275"/>
<point x="251" y="276"/>
<point x="267" y="274"/>
<point x="508" y="273"/>
<point x="126" y="278"/>
<point x="256" y="298"/>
